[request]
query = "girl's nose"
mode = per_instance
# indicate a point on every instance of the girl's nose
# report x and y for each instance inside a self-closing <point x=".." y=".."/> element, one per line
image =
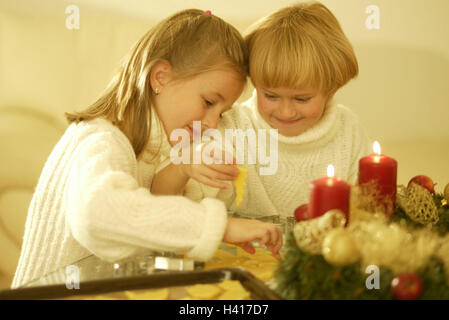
<point x="287" y="111"/>
<point x="211" y="119"/>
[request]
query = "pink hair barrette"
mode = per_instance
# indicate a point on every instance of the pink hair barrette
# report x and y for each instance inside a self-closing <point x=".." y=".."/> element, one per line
<point x="207" y="13"/>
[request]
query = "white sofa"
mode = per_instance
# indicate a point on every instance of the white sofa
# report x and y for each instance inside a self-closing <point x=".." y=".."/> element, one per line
<point x="26" y="139"/>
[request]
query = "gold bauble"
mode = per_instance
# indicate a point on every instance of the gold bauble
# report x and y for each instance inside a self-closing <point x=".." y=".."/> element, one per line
<point x="339" y="248"/>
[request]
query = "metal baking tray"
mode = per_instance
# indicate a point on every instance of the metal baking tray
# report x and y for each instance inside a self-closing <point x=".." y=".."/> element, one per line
<point x="257" y="289"/>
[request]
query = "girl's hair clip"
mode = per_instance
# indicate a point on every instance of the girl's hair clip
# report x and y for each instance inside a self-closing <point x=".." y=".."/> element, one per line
<point x="207" y="13"/>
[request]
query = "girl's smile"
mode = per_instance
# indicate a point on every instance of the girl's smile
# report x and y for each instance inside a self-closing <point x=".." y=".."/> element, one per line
<point x="291" y="111"/>
<point x="287" y="122"/>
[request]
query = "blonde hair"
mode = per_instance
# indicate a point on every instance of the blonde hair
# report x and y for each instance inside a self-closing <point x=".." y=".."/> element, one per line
<point x="298" y="46"/>
<point x="192" y="42"/>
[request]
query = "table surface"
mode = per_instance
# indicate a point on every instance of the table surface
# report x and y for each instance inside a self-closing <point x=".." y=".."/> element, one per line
<point x="142" y="264"/>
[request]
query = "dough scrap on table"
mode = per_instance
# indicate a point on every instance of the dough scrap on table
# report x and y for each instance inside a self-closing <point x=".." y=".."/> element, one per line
<point x="160" y="294"/>
<point x="234" y="295"/>
<point x="223" y="255"/>
<point x="231" y="285"/>
<point x="203" y="291"/>
<point x="261" y="264"/>
<point x="217" y="265"/>
<point x="240" y="183"/>
<point x="265" y="258"/>
<point x="251" y="263"/>
<point x="263" y="274"/>
<point x="100" y="297"/>
<point x="243" y="253"/>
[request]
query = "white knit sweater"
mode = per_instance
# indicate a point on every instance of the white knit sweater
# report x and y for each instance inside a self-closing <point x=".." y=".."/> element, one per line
<point x="337" y="139"/>
<point x="93" y="198"/>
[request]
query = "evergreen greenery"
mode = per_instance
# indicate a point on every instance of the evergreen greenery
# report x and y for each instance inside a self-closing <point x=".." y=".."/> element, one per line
<point x="301" y="275"/>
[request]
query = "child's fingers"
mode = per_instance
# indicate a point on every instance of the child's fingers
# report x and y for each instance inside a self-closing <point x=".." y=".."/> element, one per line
<point x="279" y="235"/>
<point x="210" y="182"/>
<point x="275" y="249"/>
<point x="248" y="247"/>
<point x="224" y="156"/>
<point x="228" y="158"/>
<point x="272" y="239"/>
<point x="227" y="169"/>
<point x="209" y="172"/>
<point x="216" y="175"/>
<point x="218" y="153"/>
<point x="264" y="239"/>
<point x="274" y="234"/>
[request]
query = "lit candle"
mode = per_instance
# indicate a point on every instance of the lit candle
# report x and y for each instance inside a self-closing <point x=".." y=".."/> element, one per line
<point x="381" y="170"/>
<point x="329" y="193"/>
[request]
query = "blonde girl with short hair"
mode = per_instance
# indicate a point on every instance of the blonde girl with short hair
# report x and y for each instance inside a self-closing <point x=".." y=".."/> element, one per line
<point x="299" y="57"/>
<point x="93" y="194"/>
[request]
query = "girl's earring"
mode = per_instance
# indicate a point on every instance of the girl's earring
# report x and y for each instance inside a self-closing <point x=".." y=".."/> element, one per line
<point x="156" y="91"/>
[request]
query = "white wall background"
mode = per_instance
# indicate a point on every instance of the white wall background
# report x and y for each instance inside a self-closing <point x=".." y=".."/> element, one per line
<point x="401" y="93"/>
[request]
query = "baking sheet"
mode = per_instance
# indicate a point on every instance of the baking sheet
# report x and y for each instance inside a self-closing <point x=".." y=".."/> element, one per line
<point x="174" y="280"/>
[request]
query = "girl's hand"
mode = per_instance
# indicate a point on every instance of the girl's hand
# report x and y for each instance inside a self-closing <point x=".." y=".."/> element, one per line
<point x="210" y="174"/>
<point x="242" y="231"/>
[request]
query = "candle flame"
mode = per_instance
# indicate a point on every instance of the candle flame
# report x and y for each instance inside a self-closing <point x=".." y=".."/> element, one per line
<point x="376" y="147"/>
<point x="330" y="171"/>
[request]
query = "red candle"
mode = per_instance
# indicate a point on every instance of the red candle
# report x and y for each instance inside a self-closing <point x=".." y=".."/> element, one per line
<point x="329" y="193"/>
<point x="382" y="171"/>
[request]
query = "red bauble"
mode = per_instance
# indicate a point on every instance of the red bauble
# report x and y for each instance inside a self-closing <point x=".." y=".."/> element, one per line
<point x="302" y="213"/>
<point x="406" y="286"/>
<point x="423" y="181"/>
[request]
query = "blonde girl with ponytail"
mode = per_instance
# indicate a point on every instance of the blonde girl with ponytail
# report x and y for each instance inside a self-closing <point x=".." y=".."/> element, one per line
<point x="93" y="195"/>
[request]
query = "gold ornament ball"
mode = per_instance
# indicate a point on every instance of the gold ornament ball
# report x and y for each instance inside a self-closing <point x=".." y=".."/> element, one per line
<point x="339" y="248"/>
<point x="446" y="192"/>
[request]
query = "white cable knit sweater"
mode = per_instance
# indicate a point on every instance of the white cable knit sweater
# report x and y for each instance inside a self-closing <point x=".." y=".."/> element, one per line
<point x="93" y="198"/>
<point x="337" y="139"/>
